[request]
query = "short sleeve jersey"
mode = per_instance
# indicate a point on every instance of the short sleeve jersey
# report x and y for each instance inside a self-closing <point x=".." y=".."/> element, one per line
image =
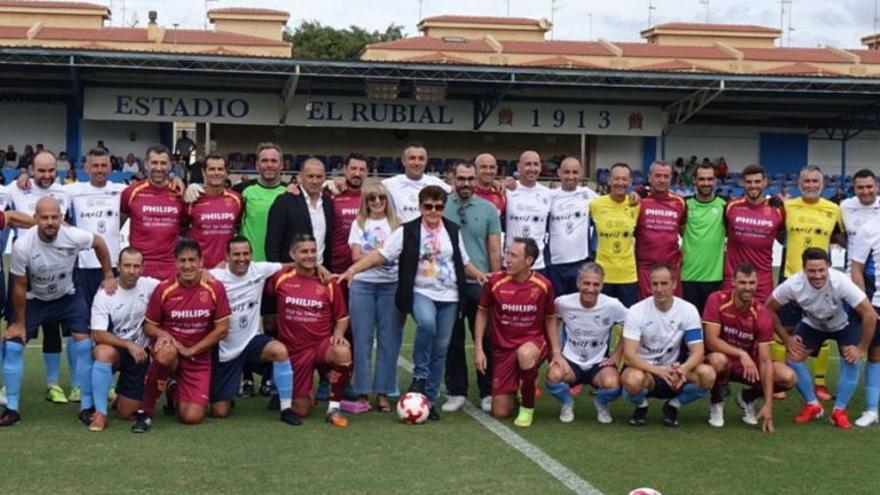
<point x="188" y="313"/>
<point x="823" y="308"/>
<point x="866" y="250"/>
<point x="569" y="225"/>
<point x="518" y="310"/>
<point x="615" y="230"/>
<point x="345" y="210"/>
<point x="96" y="209"/>
<point x="157" y="217"/>
<point x="588" y="330"/>
<point x="48" y="266"/>
<point x="405" y="193"/>
<point x="493" y="196"/>
<point x="526" y="216"/>
<point x="661" y="217"/>
<point x="213" y="218"/>
<point x="374" y="235"/>
<point x="855" y="215"/>
<point x="660" y="334"/>
<point x="703" y="241"/>
<point x="257" y="200"/>
<point x="808" y="225"/>
<point x="751" y="231"/>
<point x="743" y="329"/>
<point x="307" y="309"/>
<point x="123" y="313"/>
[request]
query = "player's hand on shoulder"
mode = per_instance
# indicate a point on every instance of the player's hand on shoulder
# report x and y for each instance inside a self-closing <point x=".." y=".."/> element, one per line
<point x="207" y="277"/>
<point x="192" y="193"/>
<point x="634" y="198"/>
<point x="15" y="331"/>
<point x="508" y="183"/>
<point x="109" y="285"/>
<point x="775" y="201"/>
<point x="178" y="186"/>
<point x="23" y="181"/>
<point x="324" y="275"/>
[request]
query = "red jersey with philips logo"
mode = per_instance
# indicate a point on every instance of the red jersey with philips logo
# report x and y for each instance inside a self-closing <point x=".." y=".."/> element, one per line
<point x="345" y="209"/>
<point x="743" y="329"/>
<point x="519" y="310"/>
<point x="214" y="218"/>
<point x="751" y="230"/>
<point x="661" y="217"/>
<point x="307" y="309"/>
<point x="492" y="196"/>
<point x="156" y="220"/>
<point x="188" y="313"/>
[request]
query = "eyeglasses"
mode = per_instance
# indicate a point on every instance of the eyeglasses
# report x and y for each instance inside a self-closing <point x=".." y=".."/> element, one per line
<point x="433" y="206"/>
<point x="466" y="179"/>
<point x="376" y="197"/>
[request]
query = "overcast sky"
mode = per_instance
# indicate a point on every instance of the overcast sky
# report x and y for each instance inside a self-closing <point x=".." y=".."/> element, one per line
<point x="814" y="22"/>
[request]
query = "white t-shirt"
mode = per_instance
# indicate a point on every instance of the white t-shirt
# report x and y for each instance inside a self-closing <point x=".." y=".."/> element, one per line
<point x="25" y="200"/>
<point x="569" y="225"/>
<point x="661" y="334"/>
<point x="49" y="266"/>
<point x="123" y="312"/>
<point x="855" y="215"/>
<point x="319" y="222"/>
<point x="867" y="244"/>
<point x="405" y="193"/>
<point x="96" y="209"/>
<point x="588" y="330"/>
<point x="435" y="277"/>
<point x="374" y="234"/>
<point x="526" y="213"/>
<point x="245" y="294"/>
<point x="823" y="308"/>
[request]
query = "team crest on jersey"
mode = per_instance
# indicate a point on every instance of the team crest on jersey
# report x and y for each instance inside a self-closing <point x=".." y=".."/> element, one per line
<point x="102" y="227"/>
<point x="228" y="202"/>
<point x="319" y="290"/>
<point x="534" y="292"/>
<point x="569" y="227"/>
<point x="526" y="230"/>
<point x="203" y="297"/>
<point x="243" y="321"/>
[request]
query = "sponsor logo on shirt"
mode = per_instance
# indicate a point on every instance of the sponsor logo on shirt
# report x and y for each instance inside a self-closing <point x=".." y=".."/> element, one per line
<point x="190" y="313"/>
<point x="756" y="222"/>
<point x="661" y="213"/>
<point x="159" y="209"/>
<point x="226" y="215"/>
<point x="519" y="308"/>
<point x="301" y="301"/>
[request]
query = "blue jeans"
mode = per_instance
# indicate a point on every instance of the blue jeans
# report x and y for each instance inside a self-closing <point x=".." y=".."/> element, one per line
<point x="434" y="321"/>
<point x="374" y="318"/>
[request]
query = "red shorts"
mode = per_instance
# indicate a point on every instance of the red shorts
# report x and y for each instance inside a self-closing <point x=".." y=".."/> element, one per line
<point x="645" y="281"/>
<point x="505" y="367"/>
<point x="194" y="379"/>
<point x="159" y="270"/>
<point x="304" y="359"/>
<point x="737" y="372"/>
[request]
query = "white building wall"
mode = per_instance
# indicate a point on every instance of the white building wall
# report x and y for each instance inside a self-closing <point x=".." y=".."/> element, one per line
<point x="739" y="146"/>
<point x="32" y="123"/>
<point x="862" y="151"/>
<point x="120" y="137"/>
<point x="614" y="149"/>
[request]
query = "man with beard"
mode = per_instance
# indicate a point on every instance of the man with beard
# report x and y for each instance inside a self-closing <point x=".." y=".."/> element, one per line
<point x="702" y="266"/>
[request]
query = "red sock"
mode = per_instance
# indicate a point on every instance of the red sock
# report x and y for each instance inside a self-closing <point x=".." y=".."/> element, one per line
<point x="154" y="385"/>
<point x="527" y="380"/>
<point x="338" y="377"/>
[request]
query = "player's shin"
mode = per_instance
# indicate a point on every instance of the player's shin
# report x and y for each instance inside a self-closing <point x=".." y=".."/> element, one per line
<point x="847" y="383"/>
<point x="820" y="366"/>
<point x="283" y="374"/>
<point x="606" y="395"/>
<point x="154" y="385"/>
<point x="83" y="355"/>
<point x="872" y="386"/>
<point x="52" y="362"/>
<point x="13" y="367"/>
<point x="804" y="381"/>
<point x="339" y="377"/>
<point x="72" y="361"/>
<point x="559" y="391"/>
<point x="527" y="386"/>
<point x="638" y="399"/>
<point x="102" y="379"/>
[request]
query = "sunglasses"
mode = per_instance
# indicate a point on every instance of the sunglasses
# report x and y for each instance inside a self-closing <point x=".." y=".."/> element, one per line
<point x="376" y="197"/>
<point x="433" y="206"/>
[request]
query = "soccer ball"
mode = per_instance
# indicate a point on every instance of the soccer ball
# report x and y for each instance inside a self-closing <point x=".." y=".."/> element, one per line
<point x="413" y="408"/>
<point x="644" y="491"/>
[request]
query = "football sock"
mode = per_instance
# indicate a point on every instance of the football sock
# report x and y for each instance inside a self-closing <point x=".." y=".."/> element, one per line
<point x="157" y="377"/>
<point x="13" y="367"/>
<point x="52" y="361"/>
<point x="804" y="381"/>
<point x="72" y="361"/>
<point x="606" y="395"/>
<point x="283" y="374"/>
<point x="83" y="358"/>
<point x="527" y="386"/>
<point x="102" y="379"/>
<point x="559" y="391"/>
<point x="339" y="377"/>
<point x="872" y="386"/>
<point x="752" y="394"/>
<point x="689" y="393"/>
<point x="638" y="399"/>
<point x="847" y="383"/>
<point x="820" y="366"/>
<point x="716" y="395"/>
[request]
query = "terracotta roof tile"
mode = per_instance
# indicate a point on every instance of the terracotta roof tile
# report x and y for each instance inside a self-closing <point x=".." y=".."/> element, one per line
<point x="867" y="56"/>
<point x="139" y="35"/>
<point x="650" y="50"/>
<point x="483" y="20"/>
<point x="13" y="32"/>
<point x="696" y="26"/>
<point x="436" y="44"/>
<point x="57" y="5"/>
<point x="247" y="10"/>
<point x="677" y="65"/>
<point x="788" y="54"/>
<point x="564" y="62"/>
<point x="440" y="58"/>
<point x="799" y="68"/>
<point x="556" y="48"/>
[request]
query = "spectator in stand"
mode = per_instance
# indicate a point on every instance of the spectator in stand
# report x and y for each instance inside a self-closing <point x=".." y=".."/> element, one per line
<point x="11" y="156"/>
<point x="721" y="170"/>
<point x="678" y="171"/>
<point x="63" y="164"/>
<point x="178" y="168"/>
<point x="288" y="165"/>
<point x="131" y="165"/>
<point x="839" y="195"/>
<point x="185" y="147"/>
<point x="27" y="158"/>
<point x="102" y="146"/>
<point x="195" y="170"/>
<point x="115" y="164"/>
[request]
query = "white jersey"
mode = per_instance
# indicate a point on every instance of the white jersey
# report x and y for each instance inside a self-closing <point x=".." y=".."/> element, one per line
<point x="588" y="330"/>
<point x="660" y="334"/>
<point x="49" y="266"/>
<point x="96" y="209"/>
<point x="526" y="215"/>
<point x="25" y="200"/>
<point x="245" y="294"/>
<point x="855" y="215"/>
<point x="823" y="308"/>
<point x="405" y="193"/>
<point x="123" y="312"/>
<point x="865" y="247"/>
<point x="569" y="225"/>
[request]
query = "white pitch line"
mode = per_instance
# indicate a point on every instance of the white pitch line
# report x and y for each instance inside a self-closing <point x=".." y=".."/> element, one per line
<point x="553" y="467"/>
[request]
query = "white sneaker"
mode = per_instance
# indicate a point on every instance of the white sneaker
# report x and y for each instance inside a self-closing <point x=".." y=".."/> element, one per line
<point x="486" y="404"/>
<point x="716" y="415"/>
<point x="566" y="414"/>
<point x="867" y="419"/>
<point x="603" y="414"/>
<point x="748" y="410"/>
<point x="453" y="403"/>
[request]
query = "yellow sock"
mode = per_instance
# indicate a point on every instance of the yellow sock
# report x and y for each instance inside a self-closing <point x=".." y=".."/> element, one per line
<point x="820" y="366"/>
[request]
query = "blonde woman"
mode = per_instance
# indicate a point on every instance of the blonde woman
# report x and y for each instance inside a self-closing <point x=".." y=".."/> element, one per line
<point x="372" y="301"/>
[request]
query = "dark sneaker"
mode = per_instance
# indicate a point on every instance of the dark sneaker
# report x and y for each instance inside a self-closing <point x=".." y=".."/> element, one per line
<point x="670" y="415"/>
<point x="142" y="423"/>
<point x="9" y="417"/>
<point x="274" y="403"/>
<point x="290" y="417"/>
<point x="85" y="415"/>
<point x="418" y="385"/>
<point x="247" y="389"/>
<point x="639" y="417"/>
<point x="170" y="409"/>
<point x="433" y="415"/>
<point x="267" y="388"/>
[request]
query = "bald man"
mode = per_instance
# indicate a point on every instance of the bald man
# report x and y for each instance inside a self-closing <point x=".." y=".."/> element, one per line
<point x="43" y="292"/>
<point x="528" y="206"/>
<point x="486" y="188"/>
<point x="404" y="188"/>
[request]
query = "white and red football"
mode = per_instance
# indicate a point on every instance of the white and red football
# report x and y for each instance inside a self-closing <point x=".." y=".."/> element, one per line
<point x="413" y="408"/>
<point x="644" y="491"/>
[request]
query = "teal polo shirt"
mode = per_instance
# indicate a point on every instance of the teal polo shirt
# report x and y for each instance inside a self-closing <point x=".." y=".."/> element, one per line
<point x="478" y="220"/>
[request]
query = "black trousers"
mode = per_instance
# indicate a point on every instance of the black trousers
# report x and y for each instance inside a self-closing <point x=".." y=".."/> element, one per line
<point x="457" y="358"/>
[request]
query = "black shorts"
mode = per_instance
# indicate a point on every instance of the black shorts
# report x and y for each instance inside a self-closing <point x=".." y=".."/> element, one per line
<point x="697" y="293"/>
<point x="813" y="339"/>
<point x="131" y="375"/>
<point x="661" y="389"/>
<point x="226" y="376"/>
<point x="583" y="376"/>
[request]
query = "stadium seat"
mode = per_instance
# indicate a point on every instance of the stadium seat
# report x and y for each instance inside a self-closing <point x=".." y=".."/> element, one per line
<point x="335" y="161"/>
<point x="434" y="164"/>
<point x="298" y="161"/>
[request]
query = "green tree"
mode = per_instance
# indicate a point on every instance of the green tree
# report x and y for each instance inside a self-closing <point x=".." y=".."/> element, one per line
<point x="312" y="40"/>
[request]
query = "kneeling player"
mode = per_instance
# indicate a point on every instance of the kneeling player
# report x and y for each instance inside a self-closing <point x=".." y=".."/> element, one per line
<point x="739" y="335"/>
<point x="245" y="346"/>
<point x="312" y="320"/>
<point x="120" y="342"/>
<point x="653" y="335"/>
<point x="523" y="320"/>
<point x="185" y="319"/>
<point x="588" y="318"/>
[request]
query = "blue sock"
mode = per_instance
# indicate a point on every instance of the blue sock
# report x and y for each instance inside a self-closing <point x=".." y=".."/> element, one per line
<point x="606" y="395"/>
<point x="637" y="399"/>
<point x="804" y="381"/>
<point x="282" y="377"/>
<point x="102" y="380"/>
<point x="83" y="349"/>
<point x="13" y="368"/>
<point x="689" y="393"/>
<point x="70" y="350"/>
<point x="52" y="361"/>
<point x="846" y="383"/>
<point x="872" y="386"/>
<point x="560" y="391"/>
